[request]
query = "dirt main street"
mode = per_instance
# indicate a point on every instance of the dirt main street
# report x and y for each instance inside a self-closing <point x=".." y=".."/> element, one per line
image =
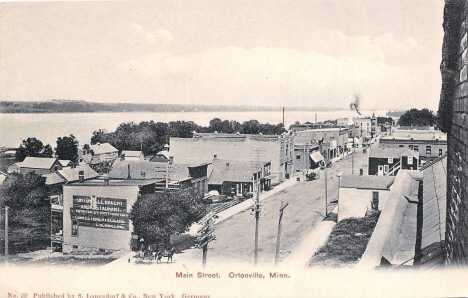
<point x="235" y="236"/>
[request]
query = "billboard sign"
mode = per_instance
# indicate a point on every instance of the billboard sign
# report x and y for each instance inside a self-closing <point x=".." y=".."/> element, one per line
<point x="99" y="212"/>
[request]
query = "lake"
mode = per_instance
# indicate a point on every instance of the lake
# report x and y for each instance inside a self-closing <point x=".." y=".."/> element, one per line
<point x="47" y="127"/>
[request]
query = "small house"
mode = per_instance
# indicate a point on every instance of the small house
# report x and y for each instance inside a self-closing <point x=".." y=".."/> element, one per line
<point x="40" y="165"/>
<point x="237" y="178"/>
<point x="388" y="161"/>
<point x="360" y="194"/>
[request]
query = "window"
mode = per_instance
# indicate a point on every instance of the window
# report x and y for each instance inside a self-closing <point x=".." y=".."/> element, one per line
<point x="298" y="157"/>
<point x="390" y="160"/>
<point x="410" y="160"/>
<point x="410" y="147"/>
<point x="74" y="231"/>
<point x="428" y="151"/>
<point x="440" y="152"/>
<point x="401" y="146"/>
<point x="416" y="148"/>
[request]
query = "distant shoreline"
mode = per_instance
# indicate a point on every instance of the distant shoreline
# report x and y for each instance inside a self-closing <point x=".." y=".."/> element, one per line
<point x="65" y="106"/>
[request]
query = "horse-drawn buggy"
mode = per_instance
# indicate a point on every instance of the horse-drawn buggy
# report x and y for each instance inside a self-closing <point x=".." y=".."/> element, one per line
<point x="154" y="253"/>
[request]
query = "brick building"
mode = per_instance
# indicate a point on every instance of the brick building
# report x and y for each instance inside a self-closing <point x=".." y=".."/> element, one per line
<point x="453" y="109"/>
<point x="430" y="144"/>
<point x="331" y="141"/>
<point x="204" y="146"/>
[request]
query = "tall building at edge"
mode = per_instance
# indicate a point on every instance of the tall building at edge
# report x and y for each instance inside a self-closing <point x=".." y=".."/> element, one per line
<point x="453" y="109"/>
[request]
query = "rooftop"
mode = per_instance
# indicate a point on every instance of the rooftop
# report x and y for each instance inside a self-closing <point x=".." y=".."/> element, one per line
<point x="119" y="182"/>
<point x="416" y="135"/>
<point x="434" y="208"/>
<point x="236" y="135"/>
<point x="38" y="162"/>
<point x="391" y="152"/>
<point x="313" y="130"/>
<point x="70" y="175"/>
<point x="129" y="153"/>
<point x="367" y="182"/>
<point x="144" y="169"/>
<point x="234" y="170"/>
<point x="102" y="148"/>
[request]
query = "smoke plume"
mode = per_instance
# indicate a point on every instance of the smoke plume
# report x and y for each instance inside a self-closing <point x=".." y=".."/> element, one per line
<point x="355" y="105"/>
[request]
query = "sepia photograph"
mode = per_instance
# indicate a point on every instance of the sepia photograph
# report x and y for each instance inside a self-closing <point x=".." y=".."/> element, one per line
<point x="217" y="148"/>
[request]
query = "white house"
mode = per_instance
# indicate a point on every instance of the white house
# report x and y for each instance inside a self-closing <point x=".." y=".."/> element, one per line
<point x="359" y="194"/>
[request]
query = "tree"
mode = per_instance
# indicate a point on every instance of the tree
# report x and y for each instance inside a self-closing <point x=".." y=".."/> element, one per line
<point x="34" y="148"/>
<point x="156" y="216"/>
<point x="384" y="120"/>
<point x="67" y="148"/>
<point x="251" y="127"/>
<point x="182" y="129"/>
<point x="100" y="136"/>
<point x="29" y="216"/>
<point x="415" y="117"/>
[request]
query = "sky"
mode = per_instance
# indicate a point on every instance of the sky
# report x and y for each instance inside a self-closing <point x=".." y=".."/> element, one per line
<point x="315" y="53"/>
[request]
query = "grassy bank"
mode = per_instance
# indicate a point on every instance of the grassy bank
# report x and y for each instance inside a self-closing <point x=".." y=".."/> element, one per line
<point x="346" y="243"/>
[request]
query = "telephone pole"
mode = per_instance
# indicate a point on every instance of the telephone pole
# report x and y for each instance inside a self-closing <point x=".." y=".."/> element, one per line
<point x="6" y="235"/>
<point x="352" y="159"/>
<point x="206" y="234"/>
<point x="256" y="209"/>
<point x="278" y="239"/>
<point x="326" y="192"/>
<point x="257" y="216"/>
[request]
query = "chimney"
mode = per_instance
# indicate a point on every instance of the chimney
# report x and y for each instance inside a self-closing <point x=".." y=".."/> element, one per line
<point x="215" y="156"/>
<point x="129" y="176"/>
<point x="171" y="160"/>
<point x="106" y="180"/>
<point x="122" y="156"/>
<point x="227" y="166"/>
<point x="81" y="176"/>
<point x="143" y="174"/>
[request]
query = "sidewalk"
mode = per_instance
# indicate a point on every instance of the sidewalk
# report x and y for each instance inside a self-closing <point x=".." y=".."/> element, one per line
<point x="301" y="255"/>
<point x="186" y="257"/>
<point x="249" y="203"/>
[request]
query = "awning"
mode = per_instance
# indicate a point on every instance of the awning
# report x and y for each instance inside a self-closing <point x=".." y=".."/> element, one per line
<point x="269" y="177"/>
<point x="316" y="157"/>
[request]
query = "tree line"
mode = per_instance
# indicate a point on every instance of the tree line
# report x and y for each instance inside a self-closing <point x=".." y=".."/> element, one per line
<point x="150" y="136"/>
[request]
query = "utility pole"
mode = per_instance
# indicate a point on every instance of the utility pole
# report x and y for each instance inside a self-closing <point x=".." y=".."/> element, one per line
<point x="6" y="235"/>
<point x="206" y="234"/>
<point x="305" y="166"/>
<point x="278" y="239"/>
<point x="256" y="209"/>
<point x="257" y="216"/>
<point x="352" y="159"/>
<point x="167" y="172"/>
<point x="283" y="116"/>
<point x="326" y="192"/>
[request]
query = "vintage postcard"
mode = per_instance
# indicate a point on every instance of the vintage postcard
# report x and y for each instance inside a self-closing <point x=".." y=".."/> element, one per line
<point x="202" y="149"/>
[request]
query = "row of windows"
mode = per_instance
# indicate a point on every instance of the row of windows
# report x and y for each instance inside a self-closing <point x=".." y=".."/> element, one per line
<point x="428" y="149"/>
